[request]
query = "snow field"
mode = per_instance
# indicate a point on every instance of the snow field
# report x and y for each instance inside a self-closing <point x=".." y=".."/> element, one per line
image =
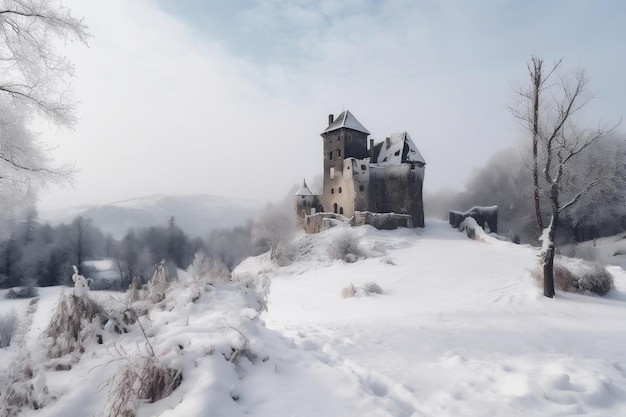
<point x="460" y="329"/>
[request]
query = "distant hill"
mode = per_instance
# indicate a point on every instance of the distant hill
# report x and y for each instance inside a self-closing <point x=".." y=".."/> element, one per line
<point x="197" y="215"/>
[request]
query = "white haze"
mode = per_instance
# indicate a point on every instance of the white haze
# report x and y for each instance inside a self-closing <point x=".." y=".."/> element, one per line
<point x="178" y="104"/>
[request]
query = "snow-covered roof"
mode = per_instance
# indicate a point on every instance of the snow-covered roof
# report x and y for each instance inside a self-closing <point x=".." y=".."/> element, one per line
<point x="304" y="189"/>
<point x="396" y="149"/>
<point x="347" y="120"/>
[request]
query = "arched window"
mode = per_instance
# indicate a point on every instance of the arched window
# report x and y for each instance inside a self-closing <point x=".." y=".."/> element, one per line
<point x="340" y="210"/>
<point x="335" y="207"/>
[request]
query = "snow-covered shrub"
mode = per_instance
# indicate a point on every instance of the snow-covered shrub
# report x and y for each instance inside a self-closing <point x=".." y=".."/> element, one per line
<point x="141" y="379"/>
<point x="8" y="325"/>
<point x="135" y="291"/>
<point x="595" y="279"/>
<point x="368" y="288"/>
<point x="27" y="389"/>
<point x="372" y="288"/>
<point x="158" y="284"/>
<point x="22" y="292"/>
<point x="346" y="246"/>
<point x="255" y="289"/>
<point x="578" y="276"/>
<point x="74" y="320"/>
<point x="348" y="292"/>
<point x="204" y="268"/>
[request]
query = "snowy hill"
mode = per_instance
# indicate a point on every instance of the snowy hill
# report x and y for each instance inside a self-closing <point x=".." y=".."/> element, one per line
<point x="459" y="330"/>
<point x="197" y="215"/>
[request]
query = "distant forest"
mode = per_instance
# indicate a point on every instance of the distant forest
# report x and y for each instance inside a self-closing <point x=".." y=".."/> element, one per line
<point x="41" y="255"/>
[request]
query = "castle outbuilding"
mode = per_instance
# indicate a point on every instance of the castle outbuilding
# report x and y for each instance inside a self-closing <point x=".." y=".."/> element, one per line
<point x="362" y="175"/>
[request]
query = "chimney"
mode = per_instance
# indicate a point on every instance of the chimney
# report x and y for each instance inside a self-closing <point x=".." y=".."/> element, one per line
<point x="331" y="119"/>
<point x="372" y="150"/>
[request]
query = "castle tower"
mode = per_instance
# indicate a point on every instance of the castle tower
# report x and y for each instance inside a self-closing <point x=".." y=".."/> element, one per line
<point x="344" y="138"/>
<point x="304" y="202"/>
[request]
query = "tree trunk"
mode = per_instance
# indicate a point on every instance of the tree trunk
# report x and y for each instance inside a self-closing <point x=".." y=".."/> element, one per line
<point x="548" y="263"/>
<point x="536" y="74"/>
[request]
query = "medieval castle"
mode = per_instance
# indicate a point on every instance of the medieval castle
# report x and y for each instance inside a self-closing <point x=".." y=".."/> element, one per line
<point x="384" y="177"/>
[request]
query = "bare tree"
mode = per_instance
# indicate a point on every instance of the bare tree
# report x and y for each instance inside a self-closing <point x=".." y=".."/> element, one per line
<point x="34" y="81"/>
<point x="276" y="228"/>
<point x="550" y="108"/>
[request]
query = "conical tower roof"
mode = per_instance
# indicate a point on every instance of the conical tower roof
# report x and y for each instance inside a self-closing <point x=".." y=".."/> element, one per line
<point x="304" y="189"/>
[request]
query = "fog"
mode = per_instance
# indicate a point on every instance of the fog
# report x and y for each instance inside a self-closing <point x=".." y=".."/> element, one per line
<point x="230" y="99"/>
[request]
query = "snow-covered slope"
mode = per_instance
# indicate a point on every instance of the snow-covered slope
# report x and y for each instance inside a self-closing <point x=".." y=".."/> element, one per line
<point x="459" y="330"/>
<point x="197" y="215"/>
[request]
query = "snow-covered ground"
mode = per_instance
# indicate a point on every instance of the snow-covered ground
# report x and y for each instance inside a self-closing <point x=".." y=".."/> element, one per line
<point x="459" y="330"/>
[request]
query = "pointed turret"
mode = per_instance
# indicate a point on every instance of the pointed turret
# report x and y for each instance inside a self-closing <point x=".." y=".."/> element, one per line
<point x="304" y="189"/>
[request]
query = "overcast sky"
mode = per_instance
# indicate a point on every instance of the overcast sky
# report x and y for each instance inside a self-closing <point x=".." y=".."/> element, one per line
<point x="229" y="97"/>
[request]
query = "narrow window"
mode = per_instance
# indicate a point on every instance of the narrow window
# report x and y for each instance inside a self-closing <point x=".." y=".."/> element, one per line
<point x="331" y="155"/>
<point x="339" y="190"/>
<point x="361" y="188"/>
<point x="332" y="191"/>
<point x="338" y="153"/>
<point x="340" y="210"/>
<point x="332" y="172"/>
<point x="335" y="207"/>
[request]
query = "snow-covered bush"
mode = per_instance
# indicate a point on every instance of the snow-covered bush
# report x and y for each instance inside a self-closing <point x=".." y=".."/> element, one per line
<point x="372" y="288"/>
<point x="348" y="292"/>
<point x="366" y="289"/>
<point x="578" y="276"/>
<point x="204" y="268"/>
<point x="22" y="292"/>
<point x="346" y="246"/>
<point x="27" y="389"/>
<point x="75" y="319"/>
<point x="8" y="325"/>
<point x="141" y="379"/>
<point x="158" y="284"/>
<point x="255" y="289"/>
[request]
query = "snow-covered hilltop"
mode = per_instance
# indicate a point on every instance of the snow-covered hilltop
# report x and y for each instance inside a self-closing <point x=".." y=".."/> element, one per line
<point x="459" y="329"/>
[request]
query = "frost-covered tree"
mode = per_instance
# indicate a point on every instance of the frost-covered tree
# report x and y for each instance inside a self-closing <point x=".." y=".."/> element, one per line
<point x="276" y="228"/>
<point x="550" y="108"/>
<point x="34" y="83"/>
